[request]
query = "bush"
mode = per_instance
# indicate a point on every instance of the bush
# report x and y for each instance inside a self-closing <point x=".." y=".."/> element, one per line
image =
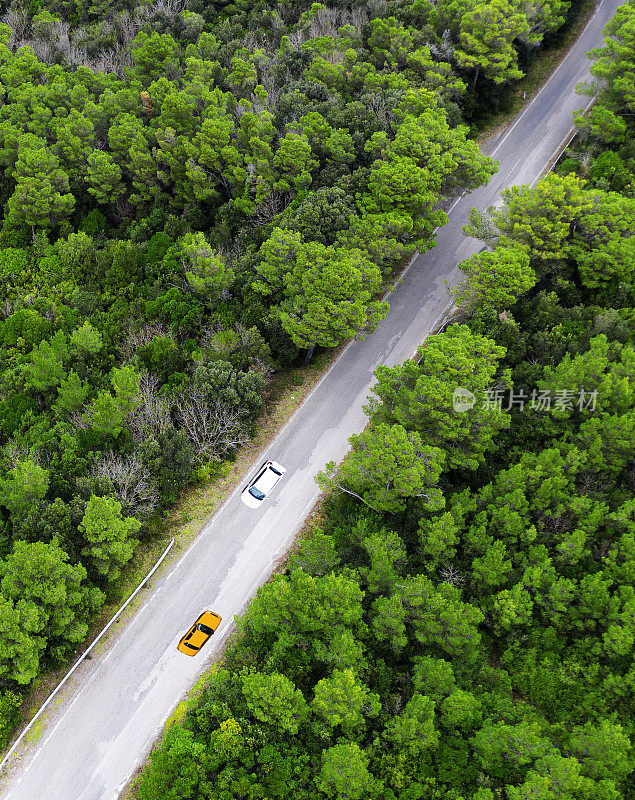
<point x="93" y="223"/>
<point x="568" y="166"/>
<point x="9" y="714"/>
<point x="609" y="171"/>
<point x="13" y="411"/>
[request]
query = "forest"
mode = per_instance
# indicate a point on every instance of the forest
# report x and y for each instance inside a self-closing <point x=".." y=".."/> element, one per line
<point x="195" y="196"/>
<point x="460" y="622"/>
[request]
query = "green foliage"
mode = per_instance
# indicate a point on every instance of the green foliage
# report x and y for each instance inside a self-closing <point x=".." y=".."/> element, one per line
<point x="487" y="35"/>
<point x="13" y="262"/>
<point x="87" y="338"/>
<point x="10" y="703"/>
<point x="241" y="192"/>
<point x="540" y="219"/>
<point x="557" y="776"/>
<point x="71" y="394"/>
<point x="41" y="197"/>
<point x="45" y="366"/>
<point x="125" y="382"/>
<point x="419" y="396"/>
<point x="441" y="619"/>
<point x="505" y="750"/>
<point x="317" y="555"/>
<point x="322" y="215"/>
<point x="161" y="356"/>
<point x="614" y="68"/>
<point x="389" y="622"/>
<point x="14" y="411"/>
<point x="433" y="677"/>
<point x="26" y="327"/>
<point x="109" y="536"/>
<point x="559" y="223"/>
<point x="426" y="159"/>
<point x="480" y="645"/>
<point x="205" y="271"/>
<point x="170" y="457"/>
<point x="21" y="645"/>
<point x="24" y="485"/>
<point x="610" y="170"/>
<point x="343" y="702"/>
<point x="327" y="292"/>
<point x="495" y="280"/>
<point x="605" y="368"/>
<point x="77" y="254"/>
<point x="44" y="604"/>
<point x="154" y="54"/>
<point x="93" y="223"/>
<point x="104" y="177"/>
<point x="602" y="749"/>
<point x="461" y="710"/>
<point x="311" y="603"/>
<point x="344" y="774"/>
<point x="413" y="731"/>
<point x="275" y="700"/>
<point x="175" y="771"/>
<point x="386" y="466"/>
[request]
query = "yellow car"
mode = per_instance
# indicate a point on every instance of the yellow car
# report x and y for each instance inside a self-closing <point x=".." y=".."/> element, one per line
<point x="199" y="633"/>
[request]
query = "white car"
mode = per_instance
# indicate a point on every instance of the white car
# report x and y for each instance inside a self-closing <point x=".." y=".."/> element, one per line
<point x="268" y="475"/>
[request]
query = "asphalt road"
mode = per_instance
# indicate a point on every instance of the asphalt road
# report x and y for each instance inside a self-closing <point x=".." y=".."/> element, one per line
<point x="119" y="702"/>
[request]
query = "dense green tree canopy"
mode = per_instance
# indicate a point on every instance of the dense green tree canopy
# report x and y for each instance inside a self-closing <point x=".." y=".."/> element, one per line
<point x="614" y="68"/>
<point x="419" y="395"/>
<point x="487" y="34"/>
<point x="387" y="465"/>
<point x="327" y="293"/>
<point x="190" y="198"/>
<point x="480" y="646"/>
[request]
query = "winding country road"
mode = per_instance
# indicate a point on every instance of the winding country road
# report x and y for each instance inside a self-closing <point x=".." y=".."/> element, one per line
<point x="117" y="704"/>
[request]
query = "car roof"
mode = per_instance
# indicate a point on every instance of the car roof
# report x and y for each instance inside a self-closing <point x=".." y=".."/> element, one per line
<point x="268" y="479"/>
<point x="210" y="619"/>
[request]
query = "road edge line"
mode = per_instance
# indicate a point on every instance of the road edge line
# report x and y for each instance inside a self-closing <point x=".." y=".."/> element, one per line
<point x="93" y="644"/>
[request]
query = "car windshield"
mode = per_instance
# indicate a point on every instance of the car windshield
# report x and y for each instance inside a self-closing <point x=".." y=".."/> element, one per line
<point x="205" y="629"/>
<point x="256" y="493"/>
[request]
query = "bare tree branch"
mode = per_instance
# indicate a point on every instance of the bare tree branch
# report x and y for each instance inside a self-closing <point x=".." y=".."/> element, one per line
<point x="450" y="574"/>
<point x="153" y="416"/>
<point x="214" y="428"/>
<point x="140" y="337"/>
<point x="131" y="481"/>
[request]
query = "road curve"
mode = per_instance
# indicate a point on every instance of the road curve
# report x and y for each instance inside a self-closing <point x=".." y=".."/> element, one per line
<point x="94" y="741"/>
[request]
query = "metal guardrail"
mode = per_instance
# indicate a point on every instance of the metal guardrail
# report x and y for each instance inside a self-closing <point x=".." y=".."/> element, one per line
<point x="93" y="644"/>
<point x="444" y="319"/>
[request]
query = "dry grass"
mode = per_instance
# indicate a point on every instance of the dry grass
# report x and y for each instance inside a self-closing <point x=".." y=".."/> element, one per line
<point x="311" y="523"/>
<point x="288" y="390"/>
<point x="178" y="715"/>
<point x="185" y="521"/>
<point x="539" y="72"/>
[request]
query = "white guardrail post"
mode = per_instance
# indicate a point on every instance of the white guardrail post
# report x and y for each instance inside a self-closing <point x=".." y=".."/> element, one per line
<point x="95" y="642"/>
